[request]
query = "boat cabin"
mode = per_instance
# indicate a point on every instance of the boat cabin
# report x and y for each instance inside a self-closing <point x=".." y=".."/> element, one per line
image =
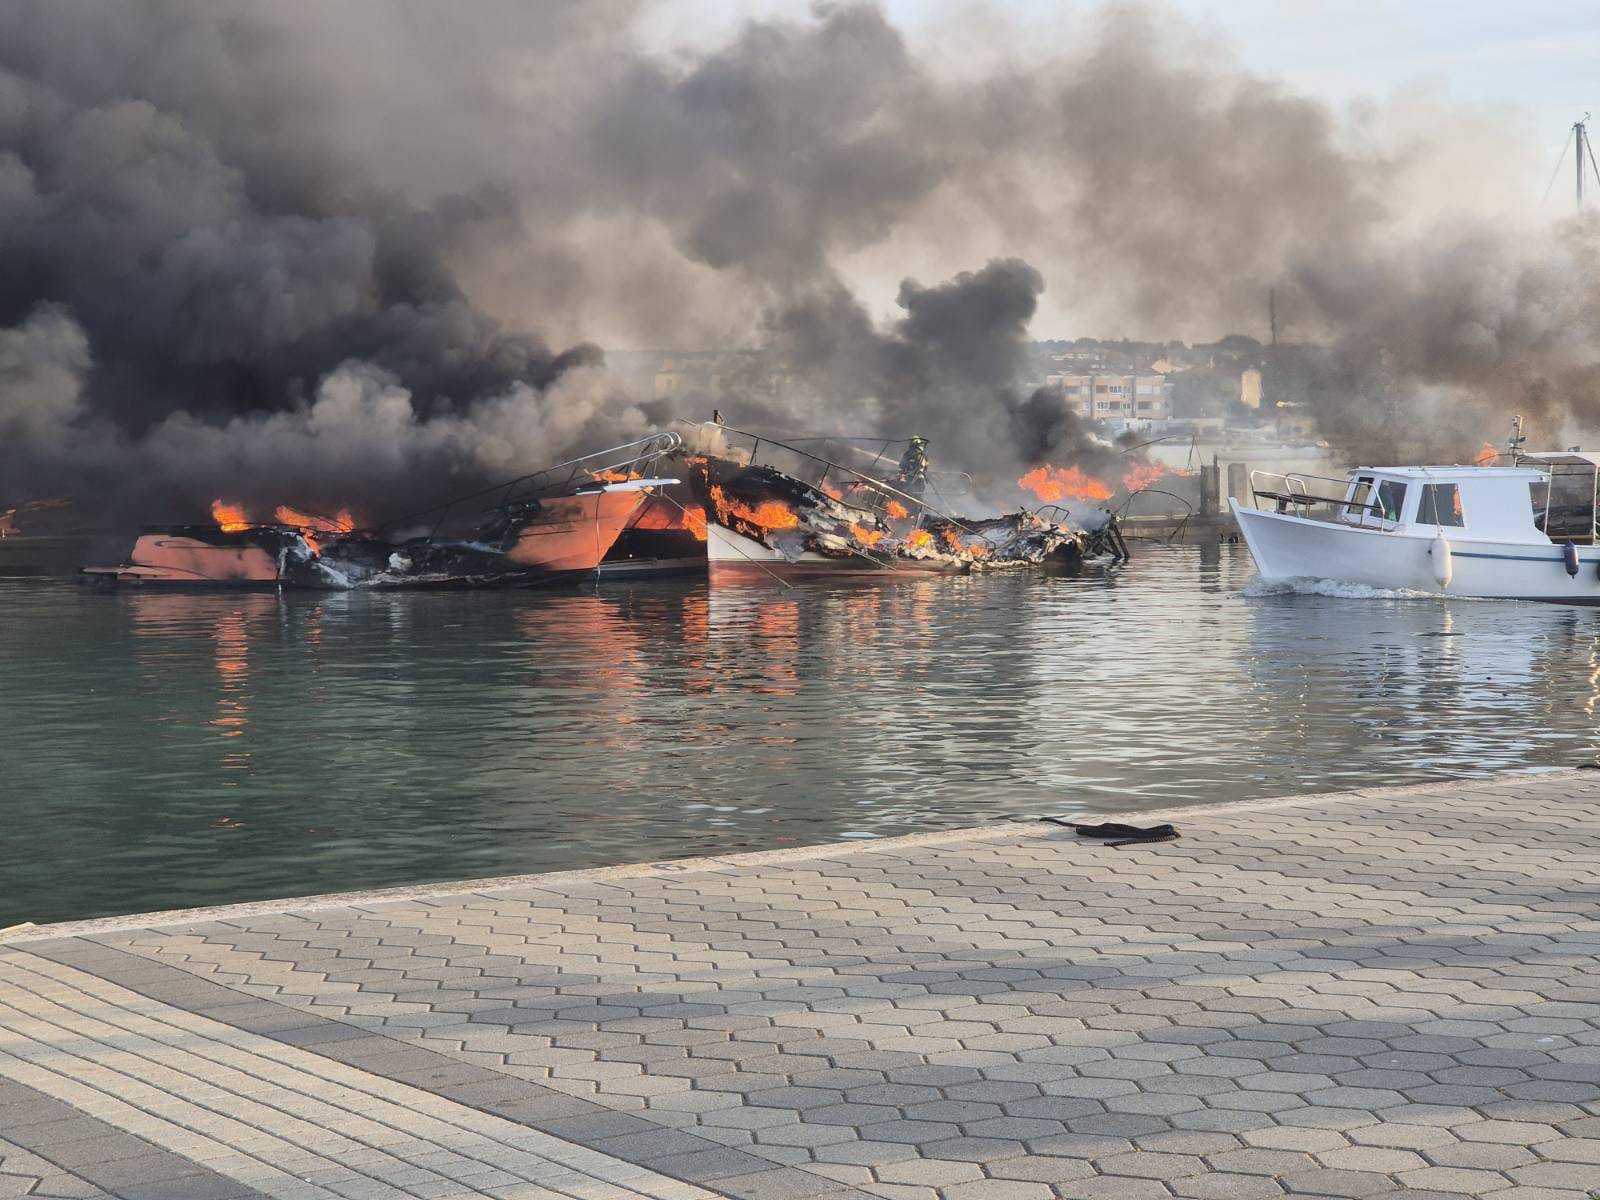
<point x="1543" y="498"/>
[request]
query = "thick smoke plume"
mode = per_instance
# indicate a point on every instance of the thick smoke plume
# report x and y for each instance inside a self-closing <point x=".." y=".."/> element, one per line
<point x="364" y="253"/>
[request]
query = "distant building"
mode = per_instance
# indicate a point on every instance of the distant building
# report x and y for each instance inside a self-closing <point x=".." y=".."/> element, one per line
<point x="1116" y="398"/>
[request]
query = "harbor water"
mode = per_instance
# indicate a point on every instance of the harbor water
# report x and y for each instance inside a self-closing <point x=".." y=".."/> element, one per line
<point x="161" y="749"/>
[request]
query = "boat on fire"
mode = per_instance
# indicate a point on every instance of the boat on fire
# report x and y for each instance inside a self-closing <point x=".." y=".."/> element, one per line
<point x="1520" y="529"/>
<point x="823" y="516"/>
<point x="665" y="536"/>
<point x="551" y="527"/>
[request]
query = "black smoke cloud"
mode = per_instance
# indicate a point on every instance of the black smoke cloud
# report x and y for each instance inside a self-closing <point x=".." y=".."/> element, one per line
<point x="360" y="252"/>
<point x="202" y="296"/>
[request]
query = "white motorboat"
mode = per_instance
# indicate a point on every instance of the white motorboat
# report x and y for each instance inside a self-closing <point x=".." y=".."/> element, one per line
<point x="1521" y="531"/>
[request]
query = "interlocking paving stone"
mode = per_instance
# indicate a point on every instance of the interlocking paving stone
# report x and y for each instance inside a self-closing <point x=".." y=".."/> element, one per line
<point x="150" y="1102"/>
<point x="68" y="1152"/>
<point x="23" y="1173"/>
<point x="1351" y="995"/>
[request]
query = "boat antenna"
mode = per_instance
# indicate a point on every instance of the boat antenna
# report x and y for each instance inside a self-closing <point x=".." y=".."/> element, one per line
<point x="1514" y="447"/>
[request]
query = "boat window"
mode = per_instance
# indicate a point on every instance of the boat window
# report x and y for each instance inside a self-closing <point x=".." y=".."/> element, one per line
<point x="1391" y="499"/>
<point x="1440" y="504"/>
<point x="1360" y="497"/>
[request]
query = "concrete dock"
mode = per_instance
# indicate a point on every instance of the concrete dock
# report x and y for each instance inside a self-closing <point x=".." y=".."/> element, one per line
<point x="1345" y="995"/>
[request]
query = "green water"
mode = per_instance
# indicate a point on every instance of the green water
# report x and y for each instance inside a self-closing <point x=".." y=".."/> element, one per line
<point x="162" y="750"/>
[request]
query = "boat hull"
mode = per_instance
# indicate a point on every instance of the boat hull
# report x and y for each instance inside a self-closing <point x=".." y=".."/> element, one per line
<point x="573" y="533"/>
<point x="658" y="540"/>
<point x="165" y="557"/>
<point x="562" y="542"/>
<point x="1286" y="547"/>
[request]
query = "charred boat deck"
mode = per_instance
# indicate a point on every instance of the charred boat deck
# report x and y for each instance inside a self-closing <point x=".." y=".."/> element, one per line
<point x="1351" y="995"/>
<point x="815" y="514"/>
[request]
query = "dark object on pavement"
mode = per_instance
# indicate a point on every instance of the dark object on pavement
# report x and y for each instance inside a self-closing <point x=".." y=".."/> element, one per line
<point x="1124" y="835"/>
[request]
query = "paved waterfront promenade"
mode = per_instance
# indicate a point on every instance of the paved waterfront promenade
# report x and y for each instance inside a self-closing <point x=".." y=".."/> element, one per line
<point x="1352" y="995"/>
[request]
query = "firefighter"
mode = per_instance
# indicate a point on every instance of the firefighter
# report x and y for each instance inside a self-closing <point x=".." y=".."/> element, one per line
<point x="913" y="473"/>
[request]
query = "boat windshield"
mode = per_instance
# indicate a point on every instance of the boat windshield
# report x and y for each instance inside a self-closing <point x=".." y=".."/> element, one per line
<point x="1372" y="499"/>
<point x="1391" y="499"/>
<point x="1359" y="501"/>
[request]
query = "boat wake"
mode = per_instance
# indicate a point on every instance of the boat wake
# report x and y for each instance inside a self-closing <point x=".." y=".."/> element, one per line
<point x="1306" y="585"/>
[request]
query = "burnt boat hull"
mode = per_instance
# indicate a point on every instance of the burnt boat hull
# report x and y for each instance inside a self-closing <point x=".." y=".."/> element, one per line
<point x="658" y="540"/>
<point x="204" y="557"/>
<point x="560" y="541"/>
<point x="648" y="568"/>
<point x="734" y="557"/>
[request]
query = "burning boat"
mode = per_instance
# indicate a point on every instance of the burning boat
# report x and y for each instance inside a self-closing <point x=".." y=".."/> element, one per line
<point x="665" y="536"/>
<point x="550" y="527"/>
<point x="823" y="516"/>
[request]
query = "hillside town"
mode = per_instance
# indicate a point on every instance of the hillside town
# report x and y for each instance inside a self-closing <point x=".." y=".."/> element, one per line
<point x="1233" y="386"/>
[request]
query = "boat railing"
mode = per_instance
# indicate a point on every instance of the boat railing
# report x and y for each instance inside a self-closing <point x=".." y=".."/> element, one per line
<point x="630" y="460"/>
<point x="1303" y="496"/>
<point x="875" y="488"/>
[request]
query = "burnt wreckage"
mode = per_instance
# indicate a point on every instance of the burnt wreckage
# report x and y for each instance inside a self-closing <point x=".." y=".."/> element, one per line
<point x="551" y="527"/>
<point x="822" y="515"/>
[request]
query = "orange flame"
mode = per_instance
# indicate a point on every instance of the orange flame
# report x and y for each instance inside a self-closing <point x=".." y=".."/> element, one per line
<point x="919" y="538"/>
<point x="310" y="524"/>
<point x="1063" y="483"/>
<point x="769" y="514"/>
<point x="830" y="490"/>
<point x="694" y="520"/>
<point x="341" y="523"/>
<point x="1485" y="457"/>
<point x="1142" y="475"/>
<point x="230" y="518"/>
<point x="609" y="476"/>
<point x="897" y="510"/>
<point x="869" y="537"/>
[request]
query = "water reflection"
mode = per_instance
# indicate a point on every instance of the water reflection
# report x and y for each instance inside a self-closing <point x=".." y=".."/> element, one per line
<point x="168" y="749"/>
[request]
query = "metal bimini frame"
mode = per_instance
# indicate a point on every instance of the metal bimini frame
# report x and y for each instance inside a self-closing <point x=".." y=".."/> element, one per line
<point x="914" y="505"/>
<point x="830" y="469"/>
<point x="1574" y="520"/>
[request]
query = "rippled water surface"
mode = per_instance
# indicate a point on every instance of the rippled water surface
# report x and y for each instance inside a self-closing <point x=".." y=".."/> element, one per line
<point x="160" y="750"/>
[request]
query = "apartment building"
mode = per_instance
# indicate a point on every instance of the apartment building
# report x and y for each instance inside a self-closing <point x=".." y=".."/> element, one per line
<point x="1116" y="398"/>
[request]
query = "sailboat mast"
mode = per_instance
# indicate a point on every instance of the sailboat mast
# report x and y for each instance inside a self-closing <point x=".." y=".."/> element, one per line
<point x="1580" y="133"/>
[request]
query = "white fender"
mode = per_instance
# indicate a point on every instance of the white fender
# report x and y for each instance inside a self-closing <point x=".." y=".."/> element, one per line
<point x="1443" y="568"/>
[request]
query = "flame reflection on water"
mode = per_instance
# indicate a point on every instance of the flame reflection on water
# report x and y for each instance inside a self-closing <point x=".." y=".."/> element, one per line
<point x="375" y="739"/>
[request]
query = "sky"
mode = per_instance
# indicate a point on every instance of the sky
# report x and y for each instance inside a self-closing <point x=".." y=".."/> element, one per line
<point x="1536" y="56"/>
<point x="1531" y="63"/>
